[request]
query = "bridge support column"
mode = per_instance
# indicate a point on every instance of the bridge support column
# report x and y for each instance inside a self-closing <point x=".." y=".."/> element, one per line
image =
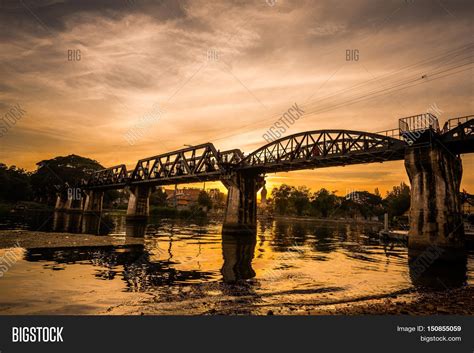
<point x="74" y="204"/>
<point x="93" y="201"/>
<point x="436" y="224"/>
<point x="139" y="202"/>
<point x="61" y="200"/>
<point x="241" y="209"/>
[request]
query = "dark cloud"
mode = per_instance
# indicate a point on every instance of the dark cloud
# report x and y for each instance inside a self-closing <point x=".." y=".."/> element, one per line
<point x="31" y="15"/>
<point x="47" y="17"/>
<point x="392" y="13"/>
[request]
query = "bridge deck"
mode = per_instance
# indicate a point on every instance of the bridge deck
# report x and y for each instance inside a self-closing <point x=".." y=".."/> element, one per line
<point x="306" y="150"/>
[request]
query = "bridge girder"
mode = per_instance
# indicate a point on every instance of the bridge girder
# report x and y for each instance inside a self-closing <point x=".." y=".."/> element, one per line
<point x="116" y="176"/>
<point x="193" y="164"/>
<point x="305" y="150"/>
<point x="324" y="148"/>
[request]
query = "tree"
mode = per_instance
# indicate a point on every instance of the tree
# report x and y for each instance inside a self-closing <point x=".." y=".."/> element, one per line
<point x="377" y="192"/>
<point x="204" y="200"/>
<point x="158" y="198"/>
<point x="299" y="199"/>
<point x="397" y="201"/>
<point x="280" y="197"/>
<point x="368" y="204"/>
<point x="14" y="184"/>
<point x="324" y="203"/>
<point x="56" y="172"/>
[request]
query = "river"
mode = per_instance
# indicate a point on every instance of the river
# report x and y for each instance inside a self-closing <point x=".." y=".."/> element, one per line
<point x="188" y="267"/>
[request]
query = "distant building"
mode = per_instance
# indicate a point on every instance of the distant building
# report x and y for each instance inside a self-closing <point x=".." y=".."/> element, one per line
<point x="182" y="199"/>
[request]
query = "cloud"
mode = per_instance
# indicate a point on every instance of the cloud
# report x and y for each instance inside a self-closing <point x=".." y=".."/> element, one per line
<point x="137" y="53"/>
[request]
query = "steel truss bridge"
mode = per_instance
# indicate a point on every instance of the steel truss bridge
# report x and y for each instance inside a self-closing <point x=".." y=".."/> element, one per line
<point x="304" y="150"/>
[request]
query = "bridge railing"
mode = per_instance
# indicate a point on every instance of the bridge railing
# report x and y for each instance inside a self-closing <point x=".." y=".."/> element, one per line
<point x="455" y="122"/>
<point x="420" y="122"/>
<point x="393" y="133"/>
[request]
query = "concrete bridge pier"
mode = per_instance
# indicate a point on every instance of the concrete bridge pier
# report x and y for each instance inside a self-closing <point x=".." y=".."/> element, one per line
<point x="436" y="225"/>
<point x="139" y="202"/>
<point x="93" y="201"/>
<point x="241" y="210"/>
<point x="74" y="204"/>
<point x="61" y="200"/>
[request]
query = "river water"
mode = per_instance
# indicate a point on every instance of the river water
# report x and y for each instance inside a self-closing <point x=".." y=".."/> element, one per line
<point x="189" y="267"/>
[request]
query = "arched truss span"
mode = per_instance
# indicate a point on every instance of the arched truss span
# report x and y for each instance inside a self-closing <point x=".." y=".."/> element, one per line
<point x="324" y="148"/>
<point x="305" y="150"/>
<point x="459" y="134"/>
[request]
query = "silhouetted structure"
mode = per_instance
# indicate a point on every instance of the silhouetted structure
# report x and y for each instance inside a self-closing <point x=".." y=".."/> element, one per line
<point x="431" y="159"/>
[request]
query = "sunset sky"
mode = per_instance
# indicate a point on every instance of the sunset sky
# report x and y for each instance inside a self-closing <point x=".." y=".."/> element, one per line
<point x="224" y="72"/>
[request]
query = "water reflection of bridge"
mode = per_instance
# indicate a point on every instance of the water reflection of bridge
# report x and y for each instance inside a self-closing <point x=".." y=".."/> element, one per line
<point x="93" y="223"/>
<point x="141" y="269"/>
<point x="98" y="224"/>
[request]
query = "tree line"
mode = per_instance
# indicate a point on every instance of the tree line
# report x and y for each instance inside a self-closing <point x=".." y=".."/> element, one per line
<point x="17" y="184"/>
<point x="301" y="201"/>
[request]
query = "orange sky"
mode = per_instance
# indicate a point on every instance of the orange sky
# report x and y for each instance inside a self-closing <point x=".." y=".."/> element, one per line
<point x="224" y="73"/>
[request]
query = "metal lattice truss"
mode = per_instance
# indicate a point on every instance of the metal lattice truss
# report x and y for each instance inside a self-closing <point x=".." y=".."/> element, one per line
<point x="231" y="157"/>
<point x="193" y="164"/>
<point x="460" y="134"/>
<point x="305" y="150"/>
<point x="116" y="175"/>
<point x="324" y="148"/>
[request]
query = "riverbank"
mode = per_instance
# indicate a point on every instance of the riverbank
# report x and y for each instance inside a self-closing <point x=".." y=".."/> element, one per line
<point x="193" y="301"/>
<point x="8" y="207"/>
<point x="450" y="302"/>
<point x="331" y="220"/>
<point x="29" y="239"/>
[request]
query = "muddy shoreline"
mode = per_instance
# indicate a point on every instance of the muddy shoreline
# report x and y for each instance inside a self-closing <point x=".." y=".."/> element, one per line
<point x="450" y="302"/>
<point x="409" y="302"/>
<point x="32" y="239"/>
